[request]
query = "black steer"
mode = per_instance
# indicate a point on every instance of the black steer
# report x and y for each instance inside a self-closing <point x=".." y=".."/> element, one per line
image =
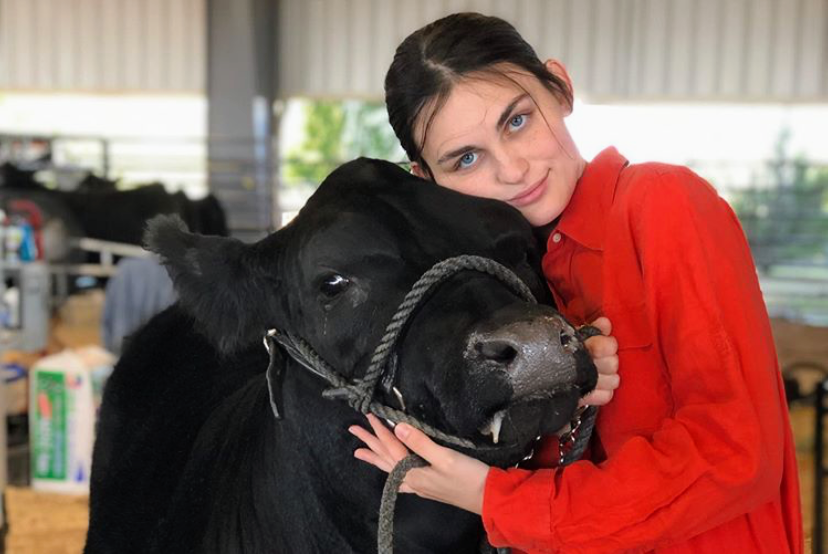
<point x="189" y="456"/>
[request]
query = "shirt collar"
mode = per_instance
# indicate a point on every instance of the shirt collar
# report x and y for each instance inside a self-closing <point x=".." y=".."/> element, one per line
<point x="584" y="218"/>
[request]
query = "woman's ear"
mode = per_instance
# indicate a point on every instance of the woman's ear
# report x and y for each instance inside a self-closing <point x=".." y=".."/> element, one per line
<point x="558" y="69"/>
<point x="417" y="169"/>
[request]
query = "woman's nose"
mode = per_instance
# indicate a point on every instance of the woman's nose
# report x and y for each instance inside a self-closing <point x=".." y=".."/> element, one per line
<point x="512" y="167"/>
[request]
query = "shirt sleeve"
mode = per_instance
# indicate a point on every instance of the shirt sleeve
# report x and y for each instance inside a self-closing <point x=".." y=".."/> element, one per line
<point x="720" y="453"/>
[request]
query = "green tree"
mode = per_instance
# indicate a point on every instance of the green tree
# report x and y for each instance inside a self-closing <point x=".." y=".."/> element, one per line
<point x="787" y="220"/>
<point x="314" y="158"/>
<point x="338" y="131"/>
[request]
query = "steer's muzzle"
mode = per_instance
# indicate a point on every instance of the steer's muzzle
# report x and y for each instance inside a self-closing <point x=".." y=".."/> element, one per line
<point x="539" y="356"/>
<point x="538" y="350"/>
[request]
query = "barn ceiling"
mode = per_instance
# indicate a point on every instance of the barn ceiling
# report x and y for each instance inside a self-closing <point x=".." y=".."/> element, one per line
<point x="102" y="45"/>
<point x="616" y="50"/>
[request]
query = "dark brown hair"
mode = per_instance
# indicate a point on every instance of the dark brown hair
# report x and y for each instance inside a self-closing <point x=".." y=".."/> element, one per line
<point x="431" y="60"/>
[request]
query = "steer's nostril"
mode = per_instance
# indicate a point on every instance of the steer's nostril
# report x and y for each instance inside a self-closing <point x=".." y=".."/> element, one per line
<point x="497" y="351"/>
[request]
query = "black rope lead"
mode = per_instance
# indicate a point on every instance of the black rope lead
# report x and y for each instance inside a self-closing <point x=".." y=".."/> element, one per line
<point x="385" y="528"/>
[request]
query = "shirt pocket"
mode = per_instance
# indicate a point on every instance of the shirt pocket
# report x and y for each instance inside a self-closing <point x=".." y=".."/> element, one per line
<point x="643" y="400"/>
<point x="631" y="325"/>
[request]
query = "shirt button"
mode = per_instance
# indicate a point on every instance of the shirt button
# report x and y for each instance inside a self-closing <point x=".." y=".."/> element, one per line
<point x="556" y="238"/>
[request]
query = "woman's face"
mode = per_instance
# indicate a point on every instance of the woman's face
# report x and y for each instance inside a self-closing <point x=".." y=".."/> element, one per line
<point x="504" y="139"/>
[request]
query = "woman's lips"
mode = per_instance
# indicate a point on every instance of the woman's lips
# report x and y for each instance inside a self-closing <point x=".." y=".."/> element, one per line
<point x="533" y="193"/>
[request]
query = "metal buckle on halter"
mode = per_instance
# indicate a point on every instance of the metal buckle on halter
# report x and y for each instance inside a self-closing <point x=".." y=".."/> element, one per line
<point x="270" y="334"/>
<point x="272" y="375"/>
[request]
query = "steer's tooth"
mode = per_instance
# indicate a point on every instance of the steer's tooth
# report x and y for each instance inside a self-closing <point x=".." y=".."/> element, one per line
<point x="492" y="427"/>
<point x="497" y="421"/>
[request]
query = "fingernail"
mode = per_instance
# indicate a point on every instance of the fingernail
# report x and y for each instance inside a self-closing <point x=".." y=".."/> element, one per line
<point x="402" y="430"/>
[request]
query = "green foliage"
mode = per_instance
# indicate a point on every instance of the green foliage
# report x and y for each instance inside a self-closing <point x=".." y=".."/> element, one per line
<point x="322" y="144"/>
<point x="786" y="221"/>
<point x="335" y="132"/>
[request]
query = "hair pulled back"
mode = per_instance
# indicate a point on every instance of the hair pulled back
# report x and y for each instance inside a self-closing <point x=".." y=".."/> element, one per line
<point x="431" y="60"/>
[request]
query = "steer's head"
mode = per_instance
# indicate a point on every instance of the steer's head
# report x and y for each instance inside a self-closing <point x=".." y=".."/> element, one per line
<point x="475" y="360"/>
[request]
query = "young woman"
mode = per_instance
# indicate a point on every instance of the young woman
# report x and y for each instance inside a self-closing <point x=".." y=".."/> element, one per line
<point x="695" y="452"/>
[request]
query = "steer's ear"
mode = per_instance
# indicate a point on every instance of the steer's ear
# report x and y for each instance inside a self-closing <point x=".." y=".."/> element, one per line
<point x="220" y="281"/>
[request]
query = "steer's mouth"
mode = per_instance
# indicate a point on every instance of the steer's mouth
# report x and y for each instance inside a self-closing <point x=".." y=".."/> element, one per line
<point x="545" y="382"/>
<point x="517" y="374"/>
<point x="530" y="417"/>
<point x="508" y="434"/>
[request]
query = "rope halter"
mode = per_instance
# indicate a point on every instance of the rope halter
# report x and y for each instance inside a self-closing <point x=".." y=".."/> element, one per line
<point x="359" y="393"/>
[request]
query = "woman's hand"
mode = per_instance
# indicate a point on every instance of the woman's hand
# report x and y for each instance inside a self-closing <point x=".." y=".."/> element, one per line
<point x="451" y="477"/>
<point x="604" y="352"/>
<point x="455" y="478"/>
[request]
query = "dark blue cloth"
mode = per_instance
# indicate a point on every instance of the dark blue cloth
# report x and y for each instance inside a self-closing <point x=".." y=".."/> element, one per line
<point x="140" y="289"/>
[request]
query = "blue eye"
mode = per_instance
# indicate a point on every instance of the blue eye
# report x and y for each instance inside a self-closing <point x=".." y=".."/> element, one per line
<point x="517" y="122"/>
<point x="466" y="160"/>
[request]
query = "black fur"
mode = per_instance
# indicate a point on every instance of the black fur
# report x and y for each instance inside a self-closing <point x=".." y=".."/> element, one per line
<point x="97" y="209"/>
<point x="189" y="457"/>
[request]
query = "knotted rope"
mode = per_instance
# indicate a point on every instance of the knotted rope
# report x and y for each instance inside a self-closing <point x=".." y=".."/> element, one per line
<point x="360" y="393"/>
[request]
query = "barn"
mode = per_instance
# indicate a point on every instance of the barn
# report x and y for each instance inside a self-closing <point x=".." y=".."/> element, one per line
<point x="229" y="114"/>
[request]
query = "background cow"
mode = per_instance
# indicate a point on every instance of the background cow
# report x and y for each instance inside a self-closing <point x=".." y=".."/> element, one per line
<point x="190" y="457"/>
<point x="97" y="209"/>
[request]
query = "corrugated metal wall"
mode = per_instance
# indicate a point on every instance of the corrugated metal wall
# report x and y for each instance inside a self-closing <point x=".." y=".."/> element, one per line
<point x="102" y="45"/>
<point x="616" y="50"/>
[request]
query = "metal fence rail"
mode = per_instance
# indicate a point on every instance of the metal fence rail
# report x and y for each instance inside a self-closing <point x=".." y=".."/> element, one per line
<point x="777" y="223"/>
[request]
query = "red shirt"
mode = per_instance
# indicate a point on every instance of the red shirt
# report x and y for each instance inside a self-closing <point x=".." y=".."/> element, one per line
<point x="699" y="455"/>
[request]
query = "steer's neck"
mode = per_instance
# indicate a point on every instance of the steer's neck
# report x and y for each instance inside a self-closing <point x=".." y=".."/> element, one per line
<point x="348" y="491"/>
<point x="326" y="484"/>
<point x="293" y="485"/>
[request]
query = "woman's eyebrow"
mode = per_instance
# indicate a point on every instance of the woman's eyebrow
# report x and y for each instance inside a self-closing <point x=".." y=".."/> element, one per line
<point x="454" y="153"/>
<point x="508" y="111"/>
<point x="501" y="120"/>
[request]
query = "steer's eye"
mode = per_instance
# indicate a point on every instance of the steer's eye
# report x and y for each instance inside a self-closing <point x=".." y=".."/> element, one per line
<point x="333" y="284"/>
